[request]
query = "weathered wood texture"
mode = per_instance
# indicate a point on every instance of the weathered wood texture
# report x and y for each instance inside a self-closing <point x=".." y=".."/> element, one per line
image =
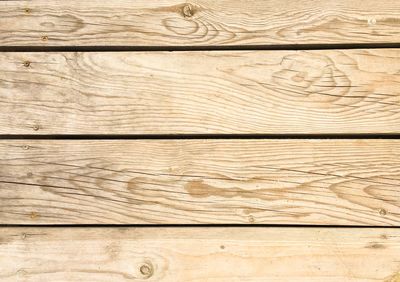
<point x="349" y="182"/>
<point x="199" y="254"/>
<point x="272" y="92"/>
<point x="197" y="22"/>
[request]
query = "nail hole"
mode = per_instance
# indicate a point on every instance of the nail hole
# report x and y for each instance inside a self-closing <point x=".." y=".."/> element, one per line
<point x="36" y="127"/>
<point x="371" y="21"/>
<point x="251" y="219"/>
<point x="27" y="10"/>
<point x="21" y="272"/>
<point x="34" y="215"/>
<point x="45" y="38"/>
<point x="26" y="147"/>
<point x="382" y="212"/>
<point x="27" y="64"/>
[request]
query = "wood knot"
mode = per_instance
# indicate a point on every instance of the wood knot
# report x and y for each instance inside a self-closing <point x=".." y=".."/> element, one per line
<point x="188" y="11"/>
<point x="27" y="10"/>
<point x="45" y="38"/>
<point x="146" y="269"/>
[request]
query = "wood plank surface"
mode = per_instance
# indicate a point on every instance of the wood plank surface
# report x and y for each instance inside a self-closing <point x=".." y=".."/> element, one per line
<point x="197" y="22"/>
<point x="200" y="254"/>
<point x="325" y="182"/>
<point x="267" y="92"/>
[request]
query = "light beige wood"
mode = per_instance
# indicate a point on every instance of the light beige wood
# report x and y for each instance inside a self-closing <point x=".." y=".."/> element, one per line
<point x="197" y="22"/>
<point x="342" y="182"/>
<point x="199" y="254"/>
<point x="271" y="92"/>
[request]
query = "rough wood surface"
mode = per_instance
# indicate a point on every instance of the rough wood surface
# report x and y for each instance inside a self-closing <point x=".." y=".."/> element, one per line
<point x="197" y="22"/>
<point x="199" y="254"/>
<point x="272" y="92"/>
<point x="349" y="182"/>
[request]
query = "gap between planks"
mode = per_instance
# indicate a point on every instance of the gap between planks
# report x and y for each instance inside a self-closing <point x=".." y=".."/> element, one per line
<point x="198" y="136"/>
<point x="282" y="47"/>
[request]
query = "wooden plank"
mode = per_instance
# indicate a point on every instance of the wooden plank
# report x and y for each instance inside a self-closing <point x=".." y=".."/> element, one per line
<point x="197" y="23"/>
<point x="340" y="182"/>
<point x="270" y="92"/>
<point x="199" y="254"/>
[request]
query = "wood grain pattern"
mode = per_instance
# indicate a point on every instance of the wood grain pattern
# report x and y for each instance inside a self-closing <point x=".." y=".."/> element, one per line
<point x="271" y="92"/>
<point x="197" y="22"/>
<point x="199" y="254"/>
<point x="340" y="182"/>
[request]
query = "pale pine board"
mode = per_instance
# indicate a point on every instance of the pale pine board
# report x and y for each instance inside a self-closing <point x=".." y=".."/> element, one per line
<point x="200" y="254"/>
<point x="197" y="22"/>
<point x="339" y="182"/>
<point x="256" y="92"/>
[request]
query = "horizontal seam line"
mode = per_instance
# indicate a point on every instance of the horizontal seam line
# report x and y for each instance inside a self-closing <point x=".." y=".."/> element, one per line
<point x="195" y="226"/>
<point x="129" y="48"/>
<point x="196" y="136"/>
